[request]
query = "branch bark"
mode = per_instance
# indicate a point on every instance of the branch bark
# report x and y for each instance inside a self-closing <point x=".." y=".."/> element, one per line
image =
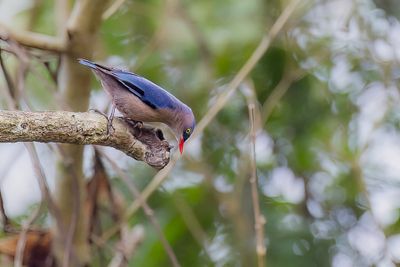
<point x="84" y="128"/>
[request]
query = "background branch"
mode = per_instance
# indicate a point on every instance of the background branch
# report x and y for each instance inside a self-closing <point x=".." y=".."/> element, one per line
<point x="32" y="39"/>
<point x="74" y="84"/>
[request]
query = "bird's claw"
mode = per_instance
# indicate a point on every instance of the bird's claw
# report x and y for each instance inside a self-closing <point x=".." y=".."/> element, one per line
<point x="110" y="127"/>
<point x="136" y="124"/>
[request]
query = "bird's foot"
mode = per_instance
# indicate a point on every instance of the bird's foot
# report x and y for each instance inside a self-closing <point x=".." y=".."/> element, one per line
<point x="136" y="126"/>
<point x="110" y="127"/>
<point x="133" y="123"/>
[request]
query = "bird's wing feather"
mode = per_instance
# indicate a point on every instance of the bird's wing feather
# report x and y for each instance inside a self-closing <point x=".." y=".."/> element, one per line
<point x="150" y="93"/>
<point x="126" y="83"/>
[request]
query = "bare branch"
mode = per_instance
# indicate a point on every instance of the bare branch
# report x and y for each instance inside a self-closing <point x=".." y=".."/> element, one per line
<point x="141" y="143"/>
<point x="32" y="39"/>
<point x="112" y="9"/>
<point x="279" y="91"/>
<point x="259" y="219"/>
<point x="131" y="238"/>
<point x="20" y="248"/>
<point x="4" y="218"/>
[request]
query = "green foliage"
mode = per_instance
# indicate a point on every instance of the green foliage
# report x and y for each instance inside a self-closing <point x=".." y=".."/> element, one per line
<point x="194" y="49"/>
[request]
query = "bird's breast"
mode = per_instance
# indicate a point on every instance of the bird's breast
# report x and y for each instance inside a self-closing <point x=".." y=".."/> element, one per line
<point x="133" y="108"/>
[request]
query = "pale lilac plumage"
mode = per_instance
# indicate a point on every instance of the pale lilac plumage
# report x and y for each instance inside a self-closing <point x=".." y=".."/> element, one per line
<point x="141" y="100"/>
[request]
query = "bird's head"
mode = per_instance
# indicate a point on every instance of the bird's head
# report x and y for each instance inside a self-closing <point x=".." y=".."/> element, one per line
<point x="186" y="129"/>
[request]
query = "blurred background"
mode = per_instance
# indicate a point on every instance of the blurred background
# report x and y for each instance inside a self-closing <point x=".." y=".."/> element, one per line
<point x="327" y="118"/>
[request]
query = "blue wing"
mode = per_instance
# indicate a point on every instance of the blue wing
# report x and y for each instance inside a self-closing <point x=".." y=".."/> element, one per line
<point x="148" y="92"/>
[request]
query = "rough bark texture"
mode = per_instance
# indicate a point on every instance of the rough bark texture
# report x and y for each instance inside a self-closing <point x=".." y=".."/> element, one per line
<point x="83" y="128"/>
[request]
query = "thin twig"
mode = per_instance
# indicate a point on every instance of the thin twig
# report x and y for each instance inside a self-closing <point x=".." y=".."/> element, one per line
<point x="155" y="183"/>
<point x="112" y="9"/>
<point x="192" y="223"/>
<point x="279" y="91"/>
<point x="19" y="253"/>
<point x="10" y="94"/>
<point x="6" y="220"/>
<point x="99" y="242"/>
<point x="46" y="198"/>
<point x="258" y="217"/>
<point x="21" y="78"/>
<point x="131" y="238"/>
<point x="7" y="77"/>
<point x="146" y="208"/>
<point x="43" y="186"/>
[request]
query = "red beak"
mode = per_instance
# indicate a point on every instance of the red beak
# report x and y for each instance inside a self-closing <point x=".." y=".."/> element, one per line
<point x="181" y="142"/>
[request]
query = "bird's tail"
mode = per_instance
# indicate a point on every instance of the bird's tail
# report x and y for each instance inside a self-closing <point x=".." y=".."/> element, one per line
<point x="88" y="63"/>
<point x="92" y="65"/>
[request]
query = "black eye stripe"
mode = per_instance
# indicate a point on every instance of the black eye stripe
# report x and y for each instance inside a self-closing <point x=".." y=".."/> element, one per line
<point x="187" y="133"/>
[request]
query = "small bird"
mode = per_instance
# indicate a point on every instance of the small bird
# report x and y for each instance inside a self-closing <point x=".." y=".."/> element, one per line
<point x="141" y="100"/>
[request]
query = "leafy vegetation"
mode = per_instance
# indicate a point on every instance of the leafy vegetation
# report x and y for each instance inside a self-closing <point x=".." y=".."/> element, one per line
<point x="327" y="137"/>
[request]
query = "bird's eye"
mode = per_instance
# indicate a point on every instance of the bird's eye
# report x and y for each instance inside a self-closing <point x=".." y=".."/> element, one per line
<point x="188" y="130"/>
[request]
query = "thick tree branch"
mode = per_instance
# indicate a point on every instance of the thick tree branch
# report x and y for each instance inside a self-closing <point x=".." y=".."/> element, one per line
<point x="141" y="143"/>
